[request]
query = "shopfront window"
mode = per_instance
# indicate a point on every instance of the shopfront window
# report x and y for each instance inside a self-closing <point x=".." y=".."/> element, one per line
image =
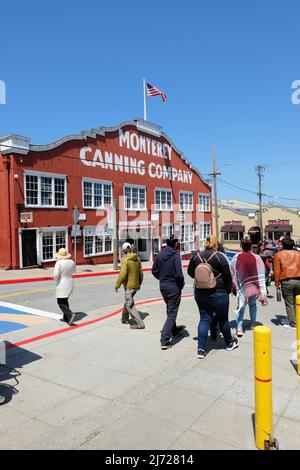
<point x="96" y="243"/>
<point x="52" y="241"/>
<point x="233" y="236"/>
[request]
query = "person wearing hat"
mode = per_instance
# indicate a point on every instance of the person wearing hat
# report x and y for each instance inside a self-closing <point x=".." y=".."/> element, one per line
<point x="131" y="276"/>
<point x="63" y="275"/>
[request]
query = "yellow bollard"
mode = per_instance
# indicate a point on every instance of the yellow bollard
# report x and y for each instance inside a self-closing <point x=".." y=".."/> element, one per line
<point x="263" y="387"/>
<point x="298" y="331"/>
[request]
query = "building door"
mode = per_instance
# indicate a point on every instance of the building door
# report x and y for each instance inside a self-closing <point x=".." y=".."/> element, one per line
<point x="29" y="251"/>
<point x="144" y="248"/>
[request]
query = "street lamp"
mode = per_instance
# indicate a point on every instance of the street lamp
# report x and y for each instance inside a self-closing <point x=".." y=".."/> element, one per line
<point x="214" y="175"/>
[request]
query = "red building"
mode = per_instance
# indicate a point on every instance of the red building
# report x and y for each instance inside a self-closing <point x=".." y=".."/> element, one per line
<point x="157" y="193"/>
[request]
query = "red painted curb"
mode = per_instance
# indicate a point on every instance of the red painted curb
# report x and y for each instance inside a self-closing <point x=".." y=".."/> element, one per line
<point x="91" y="322"/>
<point x="76" y="276"/>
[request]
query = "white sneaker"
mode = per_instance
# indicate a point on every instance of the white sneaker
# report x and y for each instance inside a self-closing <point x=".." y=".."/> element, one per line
<point x="240" y="332"/>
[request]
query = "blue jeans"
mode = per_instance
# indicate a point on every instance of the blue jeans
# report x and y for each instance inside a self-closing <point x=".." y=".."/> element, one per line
<point x="241" y="311"/>
<point x="172" y="299"/>
<point x="217" y="303"/>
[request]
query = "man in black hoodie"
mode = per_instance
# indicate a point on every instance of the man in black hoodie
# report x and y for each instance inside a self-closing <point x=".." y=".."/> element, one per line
<point x="167" y="268"/>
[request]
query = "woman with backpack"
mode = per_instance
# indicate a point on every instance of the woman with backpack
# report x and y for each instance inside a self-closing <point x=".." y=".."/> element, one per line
<point x="213" y="281"/>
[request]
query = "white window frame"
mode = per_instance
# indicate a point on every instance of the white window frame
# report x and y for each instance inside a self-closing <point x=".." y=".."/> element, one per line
<point x="93" y="182"/>
<point x="184" y="209"/>
<point x="169" y="232"/>
<point x="40" y="242"/>
<point x="187" y="240"/>
<point x="203" y="234"/>
<point x="165" y="190"/>
<point x="104" y="235"/>
<point x="204" y="207"/>
<point x="138" y="186"/>
<point x="39" y="175"/>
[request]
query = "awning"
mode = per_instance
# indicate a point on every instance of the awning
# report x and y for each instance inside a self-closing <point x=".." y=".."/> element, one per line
<point x="278" y="228"/>
<point x="233" y="228"/>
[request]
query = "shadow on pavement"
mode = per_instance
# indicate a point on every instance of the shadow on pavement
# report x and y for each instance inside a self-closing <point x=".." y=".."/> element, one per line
<point x="279" y="318"/>
<point x="294" y="364"/>
<point x="143" y="315"/>
<point x="16" y="357"/>
<point x="80" y="315"/>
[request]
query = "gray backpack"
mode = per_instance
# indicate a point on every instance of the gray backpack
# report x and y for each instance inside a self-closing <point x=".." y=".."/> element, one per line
<point x="204" y="274"/>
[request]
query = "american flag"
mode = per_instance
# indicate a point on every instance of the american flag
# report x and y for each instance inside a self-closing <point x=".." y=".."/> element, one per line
<point x="153" y="91"/>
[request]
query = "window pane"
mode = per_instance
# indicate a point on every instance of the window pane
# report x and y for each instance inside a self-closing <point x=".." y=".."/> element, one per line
<point x="88" y="245"/>
<point x="98" y="245"/>
<point x="97" y="195"/>
<point x="47" y="245"/>
<point x="31" y="190"/>
<point x="60" y="239"/>
<point x="87" y="193"/>
<point x="46" y="191"/>
<point x="107" y="195"/>
<point x="59" y="191"/>
<point x="108" y="244"/>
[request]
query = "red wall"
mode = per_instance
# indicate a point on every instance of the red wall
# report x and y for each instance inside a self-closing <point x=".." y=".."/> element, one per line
<point x="65" y="160"/>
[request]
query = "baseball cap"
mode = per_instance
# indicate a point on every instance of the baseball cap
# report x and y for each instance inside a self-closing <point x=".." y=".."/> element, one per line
<point x="126" y="246"/>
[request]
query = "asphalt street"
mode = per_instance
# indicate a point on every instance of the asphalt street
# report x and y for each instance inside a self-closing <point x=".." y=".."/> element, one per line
<point x="89" y="293"/>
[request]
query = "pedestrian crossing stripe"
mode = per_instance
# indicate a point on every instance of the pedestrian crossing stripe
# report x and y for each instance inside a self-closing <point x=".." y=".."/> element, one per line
<point x="15" y="317"/>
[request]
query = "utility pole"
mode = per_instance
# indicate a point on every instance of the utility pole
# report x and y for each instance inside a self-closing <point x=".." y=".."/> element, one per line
<point x="115" y="240"/>
<point x="214" y="175"/>
<point x="260" y="171"/>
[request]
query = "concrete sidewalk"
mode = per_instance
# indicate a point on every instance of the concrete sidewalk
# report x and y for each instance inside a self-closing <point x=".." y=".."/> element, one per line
<point x="105" y="386"/>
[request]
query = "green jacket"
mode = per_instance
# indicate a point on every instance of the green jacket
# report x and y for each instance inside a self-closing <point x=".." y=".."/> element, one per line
<point x="131" y="273"/>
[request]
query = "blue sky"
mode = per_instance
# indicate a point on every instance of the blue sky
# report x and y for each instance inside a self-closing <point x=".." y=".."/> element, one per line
<point x="226" y="66"/>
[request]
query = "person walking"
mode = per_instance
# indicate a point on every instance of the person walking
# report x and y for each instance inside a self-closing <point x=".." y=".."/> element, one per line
<point x="167" y="268"/>
<point x="249" y="284"/>
<point x="287" y="275"/>
<point x="212" y="296"/>
<point x="131" y="276"/>
<point x="63" y="275"/>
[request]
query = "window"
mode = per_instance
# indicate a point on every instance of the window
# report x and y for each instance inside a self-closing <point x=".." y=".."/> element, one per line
<point x="96" y="243"/>
<point x="233" y="236"/>
<point x="187" y="237"/>
<point x="166" y="232"/>
<point x="163" y="200"/>
<point x="134" y="197"/>
<point x="186" y="201"/>
<point x="52" y="241"/>
<point x="204" y="203"/>
<point x="45" y="191"/>
<point x="96" y="194"/>
<point x="204" y="231"/>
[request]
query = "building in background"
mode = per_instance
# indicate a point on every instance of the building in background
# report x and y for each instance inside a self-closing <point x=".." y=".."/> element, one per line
<point x="158" y="193"/>
<point x="239" y="219"/>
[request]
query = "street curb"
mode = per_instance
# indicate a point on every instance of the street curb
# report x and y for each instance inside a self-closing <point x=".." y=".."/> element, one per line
<point x="76" y="276"/>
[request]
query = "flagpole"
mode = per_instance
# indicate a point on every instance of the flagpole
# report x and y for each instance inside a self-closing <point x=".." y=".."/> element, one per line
<point x="145" y="100"/>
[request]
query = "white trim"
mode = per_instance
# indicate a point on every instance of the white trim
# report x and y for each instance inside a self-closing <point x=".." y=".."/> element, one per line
<point x="186" y="192"/>
<point x="31" y="311"/>
<point x="44" y="173"/>
<point x="137" y="186"/>
<point x="208" y="197"/>
<point x="166" y="190"/>
<point x="39" y="175"/>
<point x="105" y="235"/>
<point x="93" y="182"/>
<point x="40" y="238"/>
